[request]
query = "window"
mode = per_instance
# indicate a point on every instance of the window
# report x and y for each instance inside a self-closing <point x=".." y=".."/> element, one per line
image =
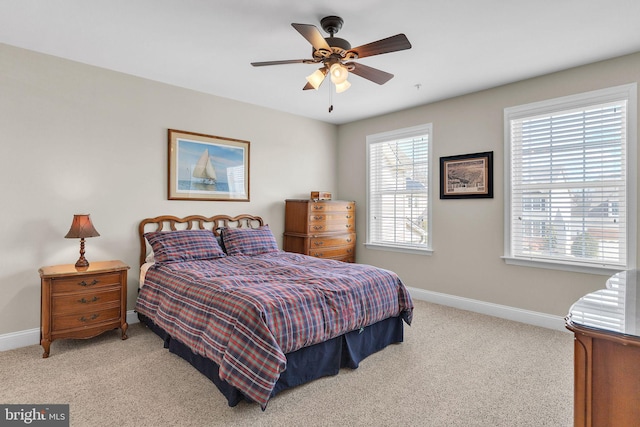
<point x="570" y="182"/>
<point x="398" y="171"/>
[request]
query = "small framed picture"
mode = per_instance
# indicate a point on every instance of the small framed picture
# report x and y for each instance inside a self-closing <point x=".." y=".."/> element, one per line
<point x="467" y="176"/>
<point x="207" y="167"/>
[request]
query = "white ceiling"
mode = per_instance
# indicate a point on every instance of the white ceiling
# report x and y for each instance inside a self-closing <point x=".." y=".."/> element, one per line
<point x="459" y="46"/>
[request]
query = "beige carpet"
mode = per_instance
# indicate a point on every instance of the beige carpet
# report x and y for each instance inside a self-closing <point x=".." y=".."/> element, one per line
<point x="455" y="368"/>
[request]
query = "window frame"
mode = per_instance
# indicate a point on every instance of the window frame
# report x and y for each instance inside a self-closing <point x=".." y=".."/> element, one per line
<point x="626" y="92"/>
<point x="398" y="134"/>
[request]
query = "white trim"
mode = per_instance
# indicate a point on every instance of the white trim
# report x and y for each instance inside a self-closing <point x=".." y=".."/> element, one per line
<point x="505" y="312"/>
<point x="19" y="339"/>
<point x="132" y="317"/>
<point x="632" y="175"/>
<point x="398" y="248"/>
<point x="616" y="93"/>
<point x="563" y="266"/>
<point x="32" y="336"/>
<point x="599" y="96"/>
<point x="408" y="132"/>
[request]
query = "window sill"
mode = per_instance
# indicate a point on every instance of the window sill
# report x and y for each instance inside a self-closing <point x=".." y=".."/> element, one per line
<point x="576" y="268"/>
<point x="398" y="248"/>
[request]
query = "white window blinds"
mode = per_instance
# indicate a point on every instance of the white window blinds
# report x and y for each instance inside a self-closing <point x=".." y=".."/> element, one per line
<point x="569" y="185"/>
<point x="398" y="188"/>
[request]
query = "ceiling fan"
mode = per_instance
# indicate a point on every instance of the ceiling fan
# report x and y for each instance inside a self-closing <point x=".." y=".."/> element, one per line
<point x="337" y="56"/>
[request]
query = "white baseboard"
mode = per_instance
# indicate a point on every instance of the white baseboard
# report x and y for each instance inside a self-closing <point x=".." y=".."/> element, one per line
<point x="19" y="339"/>
<point x="32" y="336"/>
<point x="503" y="311"/>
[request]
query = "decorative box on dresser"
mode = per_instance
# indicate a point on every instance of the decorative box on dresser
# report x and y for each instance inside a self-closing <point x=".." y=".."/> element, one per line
<point x="82" y="303"/>
<point x="322" y="228"/>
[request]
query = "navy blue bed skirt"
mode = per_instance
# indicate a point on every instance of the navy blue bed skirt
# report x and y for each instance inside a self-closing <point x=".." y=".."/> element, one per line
<point x="304" y="365"/>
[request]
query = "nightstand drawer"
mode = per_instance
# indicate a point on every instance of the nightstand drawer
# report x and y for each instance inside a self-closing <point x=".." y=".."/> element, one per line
<point x="86" y="301"/>
<point x="87" y="318"/>
<point x="85" y="282"/>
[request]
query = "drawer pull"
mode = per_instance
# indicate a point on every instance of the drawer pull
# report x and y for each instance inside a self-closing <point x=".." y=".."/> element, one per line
<point x="318" y="217"/>
<point x="318" y="227"/>
<point x="348" y="216"/>
<point x="348" y="225"/>
<point x="349" y="207"/>
<point x="349" y="251"/>
<point x="86" y="301"/>
<point x="318" y="243"/>
<point x="317" y="254"/>
<point x="348" y="239"/>
<point x="93" y="317"/>
<point x="93" y="282"/>
<point x="318" y="207"/>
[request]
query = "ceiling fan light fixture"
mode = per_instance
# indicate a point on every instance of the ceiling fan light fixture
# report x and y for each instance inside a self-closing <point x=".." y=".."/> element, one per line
<point x="316" y="78"/>
<point x="335" y="55"/>
<point x="339" y="73"/>
<point x="341" y="87"/>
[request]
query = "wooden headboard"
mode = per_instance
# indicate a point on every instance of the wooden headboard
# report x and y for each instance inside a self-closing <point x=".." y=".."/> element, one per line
<point x="193" y="222"/>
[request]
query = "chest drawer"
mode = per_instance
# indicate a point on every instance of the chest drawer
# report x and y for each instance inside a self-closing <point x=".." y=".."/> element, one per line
<point x="85" y="282"/>
<point x="334" y="206"/>
<point x="335" y="252"/>
<point x="321" y="217"/>
<point x="85" y="301"/>
<point x="321" y="242"/>
<point x="331" y="226"/>
<point x="87" y="319"/>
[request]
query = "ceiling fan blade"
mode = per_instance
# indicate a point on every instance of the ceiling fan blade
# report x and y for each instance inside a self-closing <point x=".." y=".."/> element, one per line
<point x="288" y="61"/>
<point x="313" y="36"/>
<point x="388" y="45"/>
<point x="370" y="73"/>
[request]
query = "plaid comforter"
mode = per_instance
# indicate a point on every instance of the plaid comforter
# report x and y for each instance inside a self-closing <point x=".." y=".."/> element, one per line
<point x="245" y="313"/>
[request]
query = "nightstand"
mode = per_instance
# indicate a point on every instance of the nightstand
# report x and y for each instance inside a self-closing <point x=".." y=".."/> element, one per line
<point x="82" y="303"/>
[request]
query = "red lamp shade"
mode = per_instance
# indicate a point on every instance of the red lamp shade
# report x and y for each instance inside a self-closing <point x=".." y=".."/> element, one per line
<point x="81" y="227"/>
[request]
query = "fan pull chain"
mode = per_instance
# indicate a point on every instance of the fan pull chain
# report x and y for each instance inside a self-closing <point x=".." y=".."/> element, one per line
<point x="330" y="98"/>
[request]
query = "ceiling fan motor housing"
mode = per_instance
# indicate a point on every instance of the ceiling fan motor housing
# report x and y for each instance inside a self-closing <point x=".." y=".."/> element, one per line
<point x="340" y="50"/>
<point x="331" y="24"/>
<point x="337" y="42"/>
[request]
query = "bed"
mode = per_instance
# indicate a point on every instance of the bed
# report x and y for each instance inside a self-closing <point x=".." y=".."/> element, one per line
<point x="257" y="320"/>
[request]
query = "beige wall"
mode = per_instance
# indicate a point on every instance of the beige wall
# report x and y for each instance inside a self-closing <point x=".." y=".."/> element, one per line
<point x="79" y="139"/>
<point x="468" y="234"/>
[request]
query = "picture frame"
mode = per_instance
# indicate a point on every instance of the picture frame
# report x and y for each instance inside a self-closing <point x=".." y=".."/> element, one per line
<point x="467" y="176"/>
<point x="207" y="167"/>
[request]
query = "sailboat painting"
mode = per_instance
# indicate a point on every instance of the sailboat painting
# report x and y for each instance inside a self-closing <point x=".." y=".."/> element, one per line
<point x="205" y="167"/>
<point x="205" y="171"/>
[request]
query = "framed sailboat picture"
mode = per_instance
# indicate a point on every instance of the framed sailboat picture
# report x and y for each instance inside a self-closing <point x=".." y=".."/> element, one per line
<point x="207" y="167"/>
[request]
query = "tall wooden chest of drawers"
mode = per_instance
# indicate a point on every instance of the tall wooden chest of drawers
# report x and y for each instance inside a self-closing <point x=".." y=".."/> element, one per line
<point x="82" y="303"/>
<point x="323" y="229"/>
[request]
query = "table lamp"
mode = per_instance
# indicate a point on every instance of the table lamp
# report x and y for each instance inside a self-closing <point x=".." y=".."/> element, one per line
<point x="81" y="227"/>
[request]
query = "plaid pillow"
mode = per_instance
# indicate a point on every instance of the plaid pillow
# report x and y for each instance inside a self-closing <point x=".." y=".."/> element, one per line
<point x="249" y="241"/>
<point x="183" y="245"/>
